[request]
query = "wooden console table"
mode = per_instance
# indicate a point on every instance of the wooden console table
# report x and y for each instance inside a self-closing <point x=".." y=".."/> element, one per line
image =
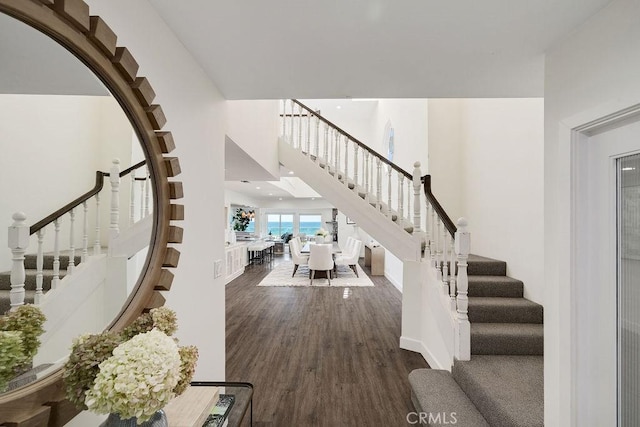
<point x="374" y="258"/>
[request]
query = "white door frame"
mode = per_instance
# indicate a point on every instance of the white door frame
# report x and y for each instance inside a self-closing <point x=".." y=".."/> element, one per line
<point x="574" y="137"/>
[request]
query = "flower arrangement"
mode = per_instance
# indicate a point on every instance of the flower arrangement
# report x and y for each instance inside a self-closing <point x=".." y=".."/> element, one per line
<point x="242" y="218"/>
<point x="20" y="332"/>
<point x="321" y="232"/>
<point x="134" y="373"/>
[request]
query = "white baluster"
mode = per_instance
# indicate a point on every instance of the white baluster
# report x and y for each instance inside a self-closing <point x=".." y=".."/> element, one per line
<point x="345" y="176"/>
<point x="336" y="157"/>
<point x="409" y="201"/>
<point x="114" y="219"/>
<point x="452" y="273"/>
<point x="300" y="128"/>
<point x="317" y="138"/>
<point x="463" y="328"/>
<point x="366" y="175"/>
<point x="326" y="148"/>
<point x="378" y="183"/>
<point x="291" y="141"/>
<point x="147" y="192"/>
<point x="72" y="246"/>
<point x="85" y="231"/>
<point x="18" y="242"/>
<point x="308" y="133"/>
<point x="445" y="258"/>
<point x="56" y="254"/>
<point x="401" y="200"/>
<point x="141" y="184"/>
<point x="355" y="167"/>
<point x="389" y="171"/>
<point x="39" y="267"/>
<point x="417" y="184"/>
<point x="132" y="199"/>
<point x="96" y="243"/>
<point x="434" y="237"/>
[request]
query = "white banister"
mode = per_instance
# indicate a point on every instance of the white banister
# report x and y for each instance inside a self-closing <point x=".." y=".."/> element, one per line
<point x="345" y="174"/>
<point x="409" y="185"/>
<point x="336" y="157"/>
<point x="400" y="200"/>
<point x="308" y="135"/>
<point x="355" y="167"/>
<point x="291" y="141"/>
<point x="378" y="183"/>
<point x="114" y="180"/>
<point x="300" y="127"/>
<point x="56" y="254"/>
<point x="427" y="228"/>
<point x="417" y="185"/>
<point x="72" y="247"/>
<point x="452" y="272"/>
<point x="317" y="138"/>
<point x="132" y="199"/>
<point x="96" y="244"/>
<point x="326" y="148"/>
<point x="463" y="328"/>
<point x="18" y="241"/>
<point x="366" y="175"/>
<point x="39" y="267"/>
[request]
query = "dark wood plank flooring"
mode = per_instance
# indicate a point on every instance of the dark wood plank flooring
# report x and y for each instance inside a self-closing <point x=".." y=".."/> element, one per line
<point x="319" y="356"/>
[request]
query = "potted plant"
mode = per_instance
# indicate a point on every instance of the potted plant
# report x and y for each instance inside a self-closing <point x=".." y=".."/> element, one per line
<point x="130" y="375"/>
<point x="321" y="234"/>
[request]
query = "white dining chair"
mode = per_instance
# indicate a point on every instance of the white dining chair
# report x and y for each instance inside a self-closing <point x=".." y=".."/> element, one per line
<point x="297" y="257"/>
<point x="351" y="258"/>
<point x="320" y="259"/>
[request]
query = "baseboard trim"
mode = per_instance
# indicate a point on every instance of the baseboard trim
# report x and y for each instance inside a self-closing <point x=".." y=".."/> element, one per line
<point x="393" y="281"/>
<point x="419" y="347"/>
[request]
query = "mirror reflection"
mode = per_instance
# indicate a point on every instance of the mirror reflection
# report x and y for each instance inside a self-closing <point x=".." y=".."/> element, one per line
<point x="63" y="137"/>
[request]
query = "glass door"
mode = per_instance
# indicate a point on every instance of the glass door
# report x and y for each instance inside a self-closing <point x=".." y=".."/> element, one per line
<point x="628" y="272"/>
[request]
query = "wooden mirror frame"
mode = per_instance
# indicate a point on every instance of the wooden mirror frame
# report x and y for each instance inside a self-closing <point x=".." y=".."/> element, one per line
<point x="90" y="39"/>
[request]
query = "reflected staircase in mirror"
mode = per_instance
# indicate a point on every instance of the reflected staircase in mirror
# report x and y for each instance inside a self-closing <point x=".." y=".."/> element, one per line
<point x="485" y="327"/>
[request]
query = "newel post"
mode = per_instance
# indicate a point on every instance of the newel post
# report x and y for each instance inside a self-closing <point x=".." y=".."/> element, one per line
<point x="114" y="219"/>
<point x="463" y="328"/>
<point x="18" y="242"/>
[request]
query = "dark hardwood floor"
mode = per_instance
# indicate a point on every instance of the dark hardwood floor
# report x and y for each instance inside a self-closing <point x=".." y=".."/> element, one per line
<point x="319" y="356"/>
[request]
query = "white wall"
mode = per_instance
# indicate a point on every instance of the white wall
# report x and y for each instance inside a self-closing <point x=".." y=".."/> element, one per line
<point x="253" y="126"/>
<point x="590" y="74"/>
<point x="497" y="180"/>
<point x="196" y="116"/>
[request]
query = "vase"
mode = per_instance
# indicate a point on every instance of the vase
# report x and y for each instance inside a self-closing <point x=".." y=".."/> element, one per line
<point x="159" y="419"/>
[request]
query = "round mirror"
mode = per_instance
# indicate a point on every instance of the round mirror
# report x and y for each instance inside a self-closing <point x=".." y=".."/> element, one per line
<point x="84" y="160"/>
<point x="61" y="130"/>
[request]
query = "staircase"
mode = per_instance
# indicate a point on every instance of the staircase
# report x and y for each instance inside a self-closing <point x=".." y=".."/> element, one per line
<point x="501" y="384"/>
<point x="30" y="280"/>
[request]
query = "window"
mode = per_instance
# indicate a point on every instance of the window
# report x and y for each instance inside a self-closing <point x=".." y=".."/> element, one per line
<point x="309" y="224"/>
<point x="279" y="224"/>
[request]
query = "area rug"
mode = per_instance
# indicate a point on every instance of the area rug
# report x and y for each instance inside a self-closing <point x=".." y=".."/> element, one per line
<point x="281" y="276"/>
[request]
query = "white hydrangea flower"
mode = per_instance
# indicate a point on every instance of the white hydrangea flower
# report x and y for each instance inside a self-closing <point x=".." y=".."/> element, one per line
<point x="138" y="379"/>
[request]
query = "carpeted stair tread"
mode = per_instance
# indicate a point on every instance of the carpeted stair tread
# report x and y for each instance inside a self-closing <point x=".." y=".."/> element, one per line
<point x="30" y="279"/>
<point x="5" y="300"/>
<point x="507" y="390"/>
<point x="436" y="392"/>
<point x="31" y="259"/>
<point x="507" y="338"/>
<point x="495" y="286"/>
<point x="504" y="310"/>
<point x="483" y="266"/>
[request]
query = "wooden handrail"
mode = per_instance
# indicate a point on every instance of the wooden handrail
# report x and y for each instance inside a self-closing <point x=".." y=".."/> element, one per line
<point x="86" y="196"/>
<point x="364" y="146"/>
<point x="437" y="206"/>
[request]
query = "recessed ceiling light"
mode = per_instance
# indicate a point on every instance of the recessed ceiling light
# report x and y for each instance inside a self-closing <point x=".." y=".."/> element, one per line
<point x="279" y="198"/>
<point x="313" y="198"/>
<point x="271" y="194"/>
<point x="338" y="106"/>
<point x="628" y="169"/>
<point x="290" y="172"/>
<point x="257" y="188"/>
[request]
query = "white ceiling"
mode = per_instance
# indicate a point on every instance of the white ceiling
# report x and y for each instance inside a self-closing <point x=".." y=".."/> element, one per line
<point x="255" y="49"/>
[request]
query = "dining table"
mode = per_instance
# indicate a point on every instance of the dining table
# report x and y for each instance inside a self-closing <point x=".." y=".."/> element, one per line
<point x="335" y="249"/>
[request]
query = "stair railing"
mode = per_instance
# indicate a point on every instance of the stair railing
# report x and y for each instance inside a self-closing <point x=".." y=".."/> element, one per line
<point x="19" y="232"/>
<point x="447" y="250"/>
<point x="393" y="191"/>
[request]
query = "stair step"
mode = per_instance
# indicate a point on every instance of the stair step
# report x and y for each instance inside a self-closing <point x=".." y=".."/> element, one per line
<point x="507" y="390"/>
<point x="30" y="279"/>
<point x="504" y="310"/>
<point x="482" y="266"/>
<point x="5" y="300"/>
<point x="507" y="338"/>
<point x="436" y="392"/>
<point x="31" y="259"/>
<point x="495" y="286"/>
